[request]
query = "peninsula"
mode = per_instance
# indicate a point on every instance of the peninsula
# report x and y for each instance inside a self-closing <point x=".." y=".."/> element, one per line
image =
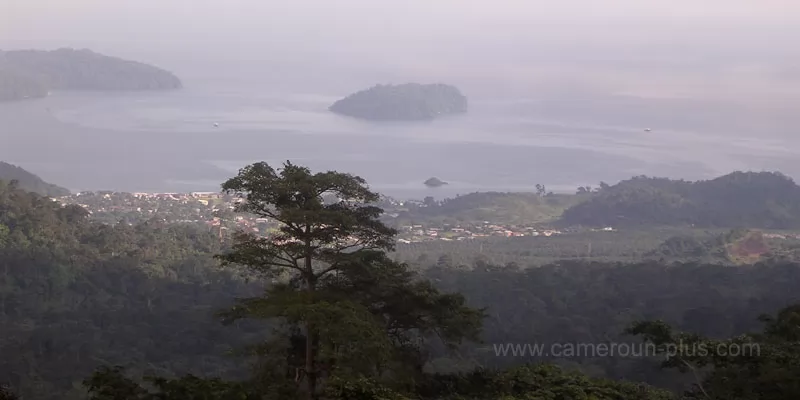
<point x="406" y="102"/>
<point x="26" y="74"/>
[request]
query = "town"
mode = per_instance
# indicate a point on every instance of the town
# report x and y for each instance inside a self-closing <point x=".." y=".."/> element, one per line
<point x="216" y="211"/>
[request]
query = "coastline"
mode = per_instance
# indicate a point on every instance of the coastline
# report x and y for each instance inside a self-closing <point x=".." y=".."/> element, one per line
<point x="494" y="148"/>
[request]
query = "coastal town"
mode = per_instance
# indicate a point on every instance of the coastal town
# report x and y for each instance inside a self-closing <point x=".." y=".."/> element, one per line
<point x="216" y="211"/>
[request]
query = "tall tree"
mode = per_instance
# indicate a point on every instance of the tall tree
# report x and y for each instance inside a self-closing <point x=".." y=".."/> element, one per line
<point x="323" y="266"/>
<point x="761" y="366"/>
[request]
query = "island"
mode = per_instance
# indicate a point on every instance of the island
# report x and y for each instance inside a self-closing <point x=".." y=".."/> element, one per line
<point x="434" y="182"/>
<point x="26" y="74"/>
<point x="406" y="102"/>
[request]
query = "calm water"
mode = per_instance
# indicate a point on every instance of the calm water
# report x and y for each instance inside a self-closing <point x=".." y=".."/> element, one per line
<point x="168" y="142"/>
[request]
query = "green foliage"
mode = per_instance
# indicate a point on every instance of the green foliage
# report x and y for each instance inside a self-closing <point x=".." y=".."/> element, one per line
<point x="739" y="199"/>
<point x="410" y="101"/>
<point x="503" y="208"/>
<point x="761" y="366"/>
<point x="75" y="295"/>
<point x="322" y="263"/>
<point x="535" y="382"/>
<point x="111" y="384"/>
<point x="360" y="389"/>
<point x="583" y="302"/>
<point x="628" y="245"/>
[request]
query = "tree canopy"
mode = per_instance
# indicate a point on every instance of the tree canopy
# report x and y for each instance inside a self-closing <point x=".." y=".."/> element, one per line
<point x="348" y="309"/>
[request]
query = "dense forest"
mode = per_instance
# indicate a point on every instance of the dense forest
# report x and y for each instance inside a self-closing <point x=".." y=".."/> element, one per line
<point x="741" y="199"/>
<point x="765" y="200"/>
<point x="406" y="102"/>
<point x="126" y="312"/>
<point x="664" y="245"/>
<point x="30" y="182"/>
<point x="513" y="208"/>
<point x="32" y="73"/>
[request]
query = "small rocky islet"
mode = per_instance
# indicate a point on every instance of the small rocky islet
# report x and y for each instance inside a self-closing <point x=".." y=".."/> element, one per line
<point x="434" y="182"/>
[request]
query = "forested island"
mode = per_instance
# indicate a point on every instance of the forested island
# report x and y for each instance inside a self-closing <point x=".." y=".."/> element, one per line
<point x="28" y="74"/>
<point x="406" y="102"/>
<point x="147" y="310"/>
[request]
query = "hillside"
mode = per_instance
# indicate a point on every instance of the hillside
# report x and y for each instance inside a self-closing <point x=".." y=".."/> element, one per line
<point x="735" y="247"/>
<point x="85" y="294"/>
<point x="32" y="73"/>
<point x="406" y="102"/>
<point x="76" y="296"/>
<point x="740" y="199"/>
<point x="29" y="181"/>
<point x="498" y="207"/>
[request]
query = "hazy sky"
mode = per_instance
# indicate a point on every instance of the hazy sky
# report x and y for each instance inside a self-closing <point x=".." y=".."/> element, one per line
<point x="613" y="44"/>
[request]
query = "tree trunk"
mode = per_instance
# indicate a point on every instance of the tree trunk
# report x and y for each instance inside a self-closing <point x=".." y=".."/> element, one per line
<point x="311" y="373"/>
<point x="311" y="334"/>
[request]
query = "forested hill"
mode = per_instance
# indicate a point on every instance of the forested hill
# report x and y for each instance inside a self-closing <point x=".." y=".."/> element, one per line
<point x="30" y="182"/>
<point x="740" y="199"/>
<point x="76" y="295"/>
<point x="31" y="73"/>
<point x="406" y="102"/>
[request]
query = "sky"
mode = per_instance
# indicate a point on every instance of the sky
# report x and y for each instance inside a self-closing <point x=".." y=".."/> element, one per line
<point x="660" y="47"/>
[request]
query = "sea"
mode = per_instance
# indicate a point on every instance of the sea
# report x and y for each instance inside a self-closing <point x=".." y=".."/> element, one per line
<point x="195" y="138"/>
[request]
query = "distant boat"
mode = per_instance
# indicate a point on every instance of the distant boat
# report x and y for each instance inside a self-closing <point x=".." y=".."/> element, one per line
<point x="647" y="129"/>
<point x="216" y="125"/>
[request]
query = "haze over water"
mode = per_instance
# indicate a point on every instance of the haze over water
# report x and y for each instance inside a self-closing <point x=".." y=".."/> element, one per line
<point x="168" y="142"/>
<point x="558" y="96"/>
